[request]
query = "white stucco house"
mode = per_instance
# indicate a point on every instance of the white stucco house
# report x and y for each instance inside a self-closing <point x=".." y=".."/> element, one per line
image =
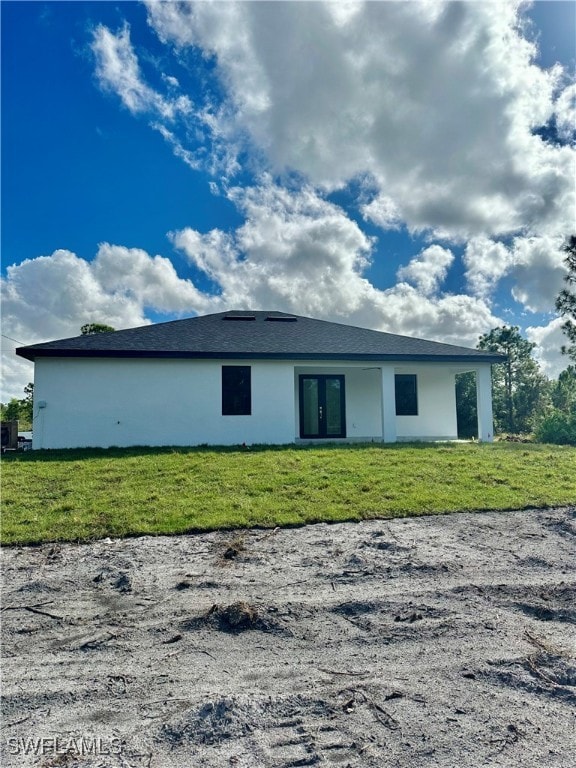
<point x="250" y="377"/>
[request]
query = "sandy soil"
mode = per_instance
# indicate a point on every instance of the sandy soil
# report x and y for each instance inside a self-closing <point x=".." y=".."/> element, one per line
<point x="440" y="641"/>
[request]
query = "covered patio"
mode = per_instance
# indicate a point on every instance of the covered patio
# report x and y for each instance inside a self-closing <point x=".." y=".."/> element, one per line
<point x="388" y="402"/>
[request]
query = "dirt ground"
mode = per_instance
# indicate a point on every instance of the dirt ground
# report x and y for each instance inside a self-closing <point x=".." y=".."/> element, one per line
<point x="439" y="641"/>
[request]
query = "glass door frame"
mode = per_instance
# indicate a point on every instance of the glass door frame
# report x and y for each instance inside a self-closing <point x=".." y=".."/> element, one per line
<point x="321" y="378"/>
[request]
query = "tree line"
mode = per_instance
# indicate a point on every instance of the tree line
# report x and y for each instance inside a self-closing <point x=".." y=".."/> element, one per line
<point x="524" y="400"/>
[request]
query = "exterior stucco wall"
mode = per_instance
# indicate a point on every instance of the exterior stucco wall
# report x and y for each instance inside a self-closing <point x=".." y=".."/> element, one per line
<point x="103" y="402"/>
<point x="100" y="403"/>
<point x="436" y="417"/>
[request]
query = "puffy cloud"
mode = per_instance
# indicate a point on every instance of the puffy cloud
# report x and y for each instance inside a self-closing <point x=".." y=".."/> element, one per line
<point x="538" y="271"/>
<point x="299" y="253"/>
<point x="428" y="270"/>
<point x="454" y="319"/>
<point x="533" y="264"/>
<point x="437" y="104"/>
<point x="549" y="341"/>
<point x="16" y="373"/>
<point x="51" y="297"/>
<point x="150" y="281"/>
<point x="295" y="250"/>
<point x="486" y="262"/>
<point x="383" y="211"/>
<point x="438" y="101"/>
<point x="55" y="293"/>
<point x="214" y="253"/>
<point x="565" y="110"/>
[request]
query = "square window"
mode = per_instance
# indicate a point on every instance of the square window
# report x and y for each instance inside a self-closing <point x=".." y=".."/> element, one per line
<point x="236" y="390"/>
<point x="406" y="394"/>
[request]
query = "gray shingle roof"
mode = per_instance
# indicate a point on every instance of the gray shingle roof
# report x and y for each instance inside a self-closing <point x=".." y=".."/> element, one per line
<point x="256" y="335"/>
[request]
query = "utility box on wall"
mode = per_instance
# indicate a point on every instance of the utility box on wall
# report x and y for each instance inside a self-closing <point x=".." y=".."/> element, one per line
<point x="9" y="435"/>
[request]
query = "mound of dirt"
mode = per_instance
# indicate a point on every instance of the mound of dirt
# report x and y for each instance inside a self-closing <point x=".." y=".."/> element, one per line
<point x="440" y="641"/>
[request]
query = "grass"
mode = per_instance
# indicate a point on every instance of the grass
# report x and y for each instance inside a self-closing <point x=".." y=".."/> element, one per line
<point x="85" y="494"/>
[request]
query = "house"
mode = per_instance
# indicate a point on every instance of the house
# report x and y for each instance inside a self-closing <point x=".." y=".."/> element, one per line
<point x="250" y="377"/>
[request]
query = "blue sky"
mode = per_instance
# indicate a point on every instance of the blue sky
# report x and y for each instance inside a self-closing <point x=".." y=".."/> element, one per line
<point x="402" y="166"/>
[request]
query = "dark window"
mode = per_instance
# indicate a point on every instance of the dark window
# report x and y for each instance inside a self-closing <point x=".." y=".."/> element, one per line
<point x="406" y="394"/>
<point x="236" y="390"/>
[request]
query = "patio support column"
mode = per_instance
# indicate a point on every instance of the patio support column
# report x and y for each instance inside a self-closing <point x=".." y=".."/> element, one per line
<point x="388" y="405"/>
<point x="484" y="403"/>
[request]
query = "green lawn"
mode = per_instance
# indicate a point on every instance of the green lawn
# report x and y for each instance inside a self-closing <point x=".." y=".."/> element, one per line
<point x="74" y="495"/>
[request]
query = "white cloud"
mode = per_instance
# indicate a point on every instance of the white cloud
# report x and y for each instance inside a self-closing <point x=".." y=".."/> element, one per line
<point x="149" y="281"/>
<point x="435" y="103"/>
<point x="171" y="80"/>
<point x="117" y="70"/>
<point x="383" y="211"/>
<point x="533" y="264"/>
<point x="538" y="271"/>
<point x="428" y="270"/>
<point x="565" y="109"/>
<point x="190" y="158"/>
<point x="549" y="341"/>
<point x="486" y="262"/>
<point x="16" y="372"/>
<point x="436" y="100"/>
<point x="295" y="250"/>
<point x="299" y="253"/>
<point x="207" y="141"/>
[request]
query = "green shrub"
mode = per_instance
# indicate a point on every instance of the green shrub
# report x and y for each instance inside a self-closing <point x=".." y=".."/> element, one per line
<point x="557" y="427"/>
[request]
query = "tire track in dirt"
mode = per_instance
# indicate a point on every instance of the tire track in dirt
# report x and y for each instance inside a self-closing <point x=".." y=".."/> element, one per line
<point x="438" y="640"/>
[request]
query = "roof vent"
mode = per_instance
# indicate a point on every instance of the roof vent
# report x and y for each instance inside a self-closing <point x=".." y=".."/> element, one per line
<point x="239" y="317"/>
<point x="281" y="319"/>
